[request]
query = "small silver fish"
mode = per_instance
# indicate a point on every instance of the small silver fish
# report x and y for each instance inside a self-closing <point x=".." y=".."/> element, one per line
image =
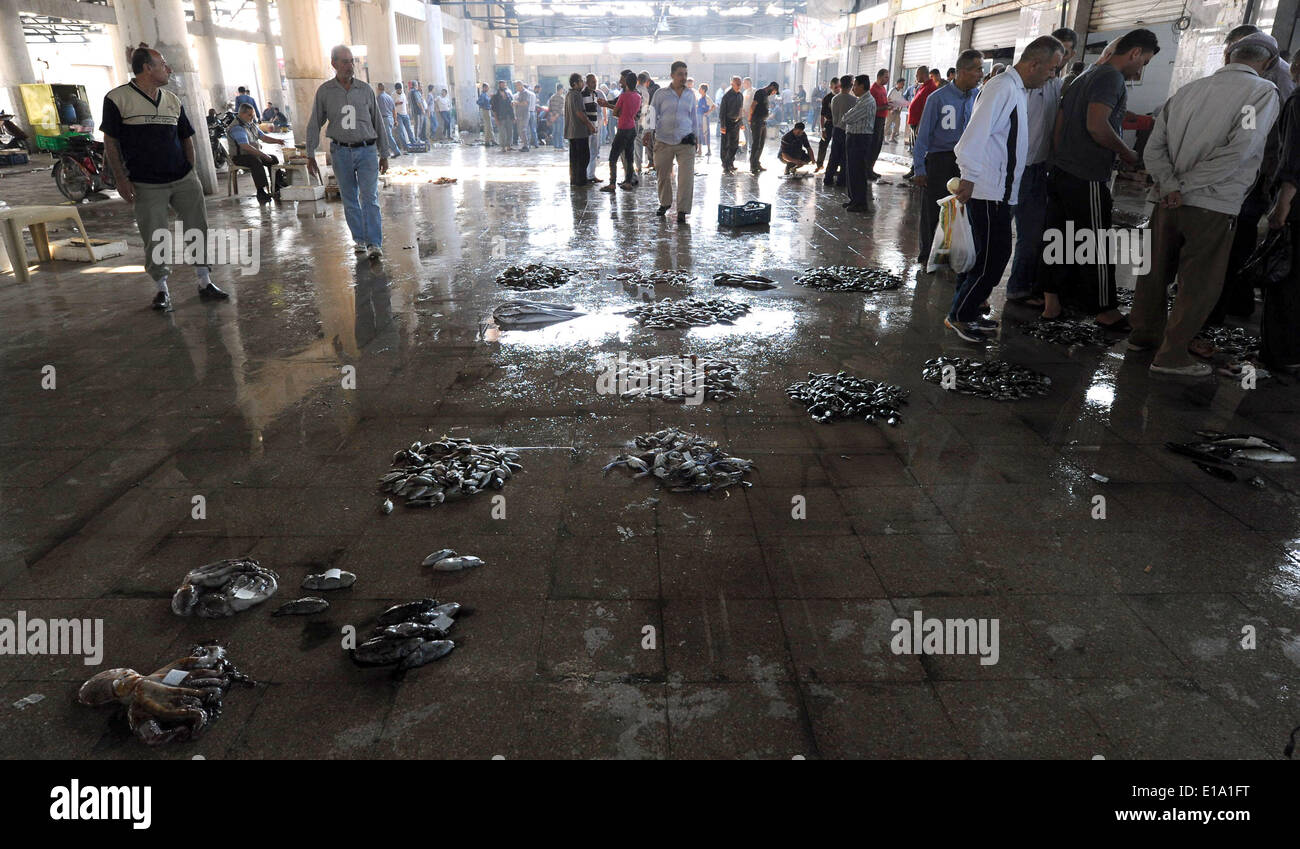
<point x="441" y="554"/>
<point x="302" y="607"/>
<point x="386" y="507"/>
<point x="334" y="579"/>
<point x="455" y="564"/>
<point x="427" y="652"/>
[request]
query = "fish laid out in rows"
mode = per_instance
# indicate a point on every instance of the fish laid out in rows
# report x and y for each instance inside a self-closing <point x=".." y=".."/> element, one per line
<point x="757" y="282"/>
<point x="846" y="278"/>
<point x="302" y="607"/>
<point x="525" y="313"/>
<point x="174" y="704"/>
<point x="1236" y="342"/>
<point x="986" y="378"/>
<point x="446" y="560"/>
<point x="663" y="277"/>
<point x="844" y="396"/>
<point x="409" y="635"/>
<point x="224" y="588"/>
<point x="1232" y="448"/>
<point x="446" y="470"/>
<point x="534" y="276"/>
<point x="1068" y="332"/>
<point x="684" y="462"/>
<point x="678" y="379"/>
<point x="688" y="312"/>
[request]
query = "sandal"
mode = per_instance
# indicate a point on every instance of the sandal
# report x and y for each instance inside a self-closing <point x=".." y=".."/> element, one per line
<point x="1120" y="326"/>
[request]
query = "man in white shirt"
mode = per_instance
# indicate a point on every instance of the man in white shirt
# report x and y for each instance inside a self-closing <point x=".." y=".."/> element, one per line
<point x="897" y="103"/>
<point x="674" y="116"/>
<point x="401" y="118"/>
<point x="747" y="92"/>
<point x="991" y="158"/>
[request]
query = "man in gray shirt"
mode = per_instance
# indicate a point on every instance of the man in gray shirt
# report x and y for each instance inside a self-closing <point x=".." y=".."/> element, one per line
<point x="358" y="150"/>
<point x="840" y="104"/>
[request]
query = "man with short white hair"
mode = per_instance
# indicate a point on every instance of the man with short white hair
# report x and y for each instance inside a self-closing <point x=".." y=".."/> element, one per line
<point x="1202" y="157"/>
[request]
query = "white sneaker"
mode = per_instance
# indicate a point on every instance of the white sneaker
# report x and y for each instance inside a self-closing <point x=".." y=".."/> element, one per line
<point x="1193" y="370"/>
<point x="374" y="251"/>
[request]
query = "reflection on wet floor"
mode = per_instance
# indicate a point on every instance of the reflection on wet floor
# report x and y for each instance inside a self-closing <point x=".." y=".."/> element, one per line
<point x="1120" y="627"/>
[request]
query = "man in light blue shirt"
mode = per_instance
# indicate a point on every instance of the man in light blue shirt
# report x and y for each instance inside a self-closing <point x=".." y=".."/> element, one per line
<point x="947" y="111"/>
<point x="674" y="125"/>
<point x="386" y="109"/>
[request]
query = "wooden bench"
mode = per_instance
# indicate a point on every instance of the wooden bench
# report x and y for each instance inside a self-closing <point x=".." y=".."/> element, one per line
<point x="34" y="218"/>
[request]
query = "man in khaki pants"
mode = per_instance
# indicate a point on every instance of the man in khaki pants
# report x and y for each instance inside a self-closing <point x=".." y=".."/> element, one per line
<point x="1203" y="155"/>
<point x="674" y="124"/>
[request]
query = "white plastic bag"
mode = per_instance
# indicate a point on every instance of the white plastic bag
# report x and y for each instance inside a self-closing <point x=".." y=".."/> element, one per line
<point x="954" y="243"/>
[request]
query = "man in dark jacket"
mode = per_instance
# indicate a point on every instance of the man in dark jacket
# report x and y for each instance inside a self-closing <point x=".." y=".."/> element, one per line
<point x="795" y="149"/>
<point x="503" y="109"/>
<point x="729" y="118"/>
<point x="827" y="125"/>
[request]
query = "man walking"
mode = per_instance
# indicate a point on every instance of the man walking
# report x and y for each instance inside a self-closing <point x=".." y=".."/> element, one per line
<point x="1202" y="157"/>
<point x="358" y="150"/>
<point x="674" y="119"/>
<point x="758" y="111"/>
<point x="943" y="121"/>
<point x="840" y="104"/>
<point x="578" y="129"/>
<point x="503" y="109"/>
<point x="1040" y="108"/>
<point x="1078" y="192"/>
<point x="244" y="97"/>
<point x="149" y="145"/>
<point x="880" y="94"/>
<point x="484" y="104"/>
<point x="729" y="119"/>
<point x="859" y="123"/>
<point x="991" y="157"/>
<point x="826" y="122"/>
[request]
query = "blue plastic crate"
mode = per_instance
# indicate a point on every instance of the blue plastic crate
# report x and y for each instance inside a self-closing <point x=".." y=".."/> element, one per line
<point x="754" y="212"/>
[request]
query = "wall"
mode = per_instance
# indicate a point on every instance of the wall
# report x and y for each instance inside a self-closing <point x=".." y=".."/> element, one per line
<point x="1149" y="93"/>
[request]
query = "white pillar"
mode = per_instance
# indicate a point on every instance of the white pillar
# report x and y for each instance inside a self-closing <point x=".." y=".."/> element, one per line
<point x="268" y="68"/>
<point x="121" y="59"/>
<point x="208" y="57"/>
<point x="383" y="64"/>
<point x="306" y="61"/>
<point x="467" y="117"/>
<point x="433" y="62"/>
<point x="161" y="25"/>
<point x="15" y="61"/>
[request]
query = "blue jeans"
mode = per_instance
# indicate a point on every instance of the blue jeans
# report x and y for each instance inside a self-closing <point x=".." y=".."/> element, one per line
<point x="404" y="129"/>
<point x="446" y="125"/>
<point x="392" y="140"/>
<point x="1030" y="216"/>
<point x="357" y="172"/>
<point x="430" y="126"/>
<point x="532" y="129"/>
<point x="557" y="134"/>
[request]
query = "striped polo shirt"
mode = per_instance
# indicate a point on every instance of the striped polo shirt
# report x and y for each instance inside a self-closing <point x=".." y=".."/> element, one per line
<point x="149" y="132"/>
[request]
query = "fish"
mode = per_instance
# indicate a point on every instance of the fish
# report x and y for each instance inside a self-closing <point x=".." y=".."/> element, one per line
<point x="383" y="651"/>
<point x="440" y="554"/>
<point x="224" y="588"/>
<point x="448" y="469"/>
<point x="756" y="282"/>
<point x="456" y="564"/>
<point x="684" y="462"/>
<point x="1238" y="440"/>
<point x="668" y="314"/>
<point x="1236" y="342"/>
<point x="1216" y="453"/>
<point x="664" y="277"/>
<point x="675" y="379"/>
<point x="402" y="612"/>
<point x="409" y="635"/>
<point x="844" y="278"/>
<point x="427" y="652"/>
<point x="522" y="313"/>
<point x="386" y="507"/>
<point x="998" y="380"/>
<point x="844" y="396"/>
<point x="302" y="607"/>
<point x="534" y="276"/>
<point x="1068" y="332"/>
<point x="331" y="579"/>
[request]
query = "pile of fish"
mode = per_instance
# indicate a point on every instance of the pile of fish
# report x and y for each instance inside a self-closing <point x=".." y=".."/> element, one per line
<point x="430" y="473"/>
<point x="534" y="276"/>
<point x="664" y="277"/>
<point x="690" y="312"/>
<point x="846" y="278"/>
<point x="684" y="462"/>
<point x="843" y="396"/>
<point x="224" y="588"/>
<point x="989" y="379"/>
<point x="174" y="704"/>
<point x="671" y="379"/>
<point x="757" y="282"/>
<point x="525" y="313"/>
<point x="1236" y="342"/>
<point x="447" y="560"/>
<point x="1068" y="332"/>
<point x="1232" y="448"/>
<point x="409" y="635"/>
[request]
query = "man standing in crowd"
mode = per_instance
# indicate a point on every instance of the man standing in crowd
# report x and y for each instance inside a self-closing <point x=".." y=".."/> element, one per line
<point x="357" y="148"/>
<point x="991" y="156"/>
<point x="555" y="111"/>
<point x="431" y="125"/>
<point x="503" y="109"/>
<point x="625" y="108"/>
<point x="484" y="104"/>
<point x="674" y="117"/>
<point x="244" y="136"/>
<point x="418" y="116"/>
<point x="149" y="145"/>
<point x="386" y="111"/>
<point x="924" y="86"/>
<point x="1091" y="114"/>
<point x="859" y="123"/>
<point x="523" y="107"/>
<point x="826" y="122"/>
<point x="400" y="116"/>
<point x="840" y="104"/>
<point x="1279" y="326"/>
<point x="896" y="106"/>
<point x="443" y="104"/>
<point x="729" y="118"/>
<point x="943" y="121"/>
<point x="747" y="92"/>
<point x="1202" y="157"/>
<point x="796" y="152"/>
<point x="1040" y="106"/>
<point x="591" y="105"/>
<point x="815" y="105"/>
<point x="577" y="130"/>
<point x="758" y="111"/>
<point x="643" y="88"/>
<point x="244" y="97"/>
<point x="881" y="96"/>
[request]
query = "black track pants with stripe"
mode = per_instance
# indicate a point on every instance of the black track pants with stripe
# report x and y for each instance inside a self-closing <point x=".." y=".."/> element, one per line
<point x="1086" y="205"/>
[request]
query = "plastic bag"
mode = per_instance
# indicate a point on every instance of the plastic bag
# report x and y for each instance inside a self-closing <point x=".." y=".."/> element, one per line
<point x="954" y="243"/>
<point x="1271" y="261"/>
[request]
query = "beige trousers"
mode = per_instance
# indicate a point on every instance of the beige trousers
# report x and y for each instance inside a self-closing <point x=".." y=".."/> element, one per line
<point x="684" y="154"/>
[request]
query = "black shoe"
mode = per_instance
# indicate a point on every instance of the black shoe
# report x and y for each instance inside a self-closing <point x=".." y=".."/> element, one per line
<point x="873" y="176"/>
<point x="211" y="293"/>
<point x="859" y="207"/>
<point x="660" y="212"/>
<point x="263" y="197"/>
<point x="161" y="301"/>
<point x="754" y="171"/>
<point x="681" y="218"/>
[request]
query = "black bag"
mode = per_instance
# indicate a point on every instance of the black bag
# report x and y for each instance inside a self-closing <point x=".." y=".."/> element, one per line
<point x="1271" y="261"/>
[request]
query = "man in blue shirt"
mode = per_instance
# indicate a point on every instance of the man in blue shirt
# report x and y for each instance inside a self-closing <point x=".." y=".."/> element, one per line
<point x="244" y="97"/>
<point x="934" y="163"/>
<point x="244" y="136"/>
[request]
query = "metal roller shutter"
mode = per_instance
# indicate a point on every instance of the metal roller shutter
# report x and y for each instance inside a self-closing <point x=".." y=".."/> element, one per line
<point x="996" y="31"/>
<point x="1131" y="14"/>
<point x="869" y="59"/>
<point x="916" y="49"/>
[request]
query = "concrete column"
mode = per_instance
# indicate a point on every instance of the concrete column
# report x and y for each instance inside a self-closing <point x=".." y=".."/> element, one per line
<point x="268" y="68"/>
<point x="1284" y="22"/>
<point x="1080" y="12"/>
<point x="433" y="62"/>
<point x="161" y="25"/>
<point x="306" y="61"/>
<point x="487" y="60"/>
<point x="383" y="63"/>
<point x="467" y="117"/>
<point x="121" y="60"/>
<point x="15" y="61"/>
<point x="208" y="57"/>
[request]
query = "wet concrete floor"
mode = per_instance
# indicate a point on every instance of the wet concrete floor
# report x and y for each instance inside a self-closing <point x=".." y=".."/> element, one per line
<point x="1121" y="636"/>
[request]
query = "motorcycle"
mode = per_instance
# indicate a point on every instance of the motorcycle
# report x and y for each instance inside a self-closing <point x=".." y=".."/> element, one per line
<point x="217" y="138"/>
<point x="80" y="170"/>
